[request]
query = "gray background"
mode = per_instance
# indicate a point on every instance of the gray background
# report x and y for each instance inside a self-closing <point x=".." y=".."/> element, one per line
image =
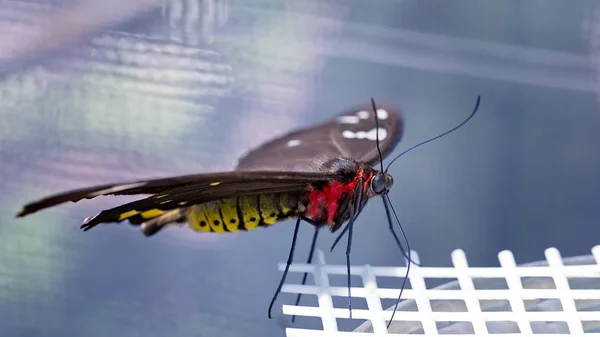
<point x="190" y="86"/>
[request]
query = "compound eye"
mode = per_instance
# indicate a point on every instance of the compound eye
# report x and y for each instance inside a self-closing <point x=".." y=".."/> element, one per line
<point x="378" y="183"/>
<point x="389" y="181"/>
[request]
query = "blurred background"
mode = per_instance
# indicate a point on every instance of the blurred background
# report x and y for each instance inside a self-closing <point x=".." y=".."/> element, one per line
<point x="100" y="91"/>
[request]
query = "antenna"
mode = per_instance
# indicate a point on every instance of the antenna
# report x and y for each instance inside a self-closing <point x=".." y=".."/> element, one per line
<point x="436" y="137"/>
<point x="377" y="132"/>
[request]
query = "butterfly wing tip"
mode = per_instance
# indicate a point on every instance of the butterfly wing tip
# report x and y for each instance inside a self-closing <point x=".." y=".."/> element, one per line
<point x="24" y="211"/>
<point x="88" y="223"/>
<point x="86" y="227"/>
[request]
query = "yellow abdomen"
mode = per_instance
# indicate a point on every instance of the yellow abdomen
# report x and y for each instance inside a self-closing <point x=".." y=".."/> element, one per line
<point x="242" y="213"/>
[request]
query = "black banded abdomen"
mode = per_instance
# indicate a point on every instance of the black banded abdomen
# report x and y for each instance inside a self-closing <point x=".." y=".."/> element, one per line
<point x="243" y="213"/>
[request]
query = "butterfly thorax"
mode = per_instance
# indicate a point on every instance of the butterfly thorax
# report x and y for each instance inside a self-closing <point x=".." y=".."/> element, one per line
<point x="332" y="203"/>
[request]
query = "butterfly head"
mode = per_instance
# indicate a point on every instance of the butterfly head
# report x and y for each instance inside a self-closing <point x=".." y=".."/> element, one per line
<point x="381" y="183"/>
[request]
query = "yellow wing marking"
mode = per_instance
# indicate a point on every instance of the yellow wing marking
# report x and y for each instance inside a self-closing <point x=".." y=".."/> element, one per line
<point x="268" y="209"/>
<point x="216" y="183"/>
<point x="127" y="214"/>
<point x="249" y="208"/>
<point x="153" y="213"/>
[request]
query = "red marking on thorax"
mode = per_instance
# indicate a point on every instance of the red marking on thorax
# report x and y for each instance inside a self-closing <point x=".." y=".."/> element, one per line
<point x="323" y="204"/>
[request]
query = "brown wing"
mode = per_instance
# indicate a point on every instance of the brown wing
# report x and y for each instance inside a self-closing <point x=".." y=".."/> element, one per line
<point x="350" y="134"/>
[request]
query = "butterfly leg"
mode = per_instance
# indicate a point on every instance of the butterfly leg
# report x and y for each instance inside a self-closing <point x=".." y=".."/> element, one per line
<point x="355" y="212"/>
<point x="308" y="261"/>
<point x="310" y="221"/>
<point x="391" y="228"/>
<point x="287" y="266"/>
<point x="389" y="206"/>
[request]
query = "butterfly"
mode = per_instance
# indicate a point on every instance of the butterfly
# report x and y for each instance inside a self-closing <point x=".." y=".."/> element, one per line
<point x="323" y="175"/>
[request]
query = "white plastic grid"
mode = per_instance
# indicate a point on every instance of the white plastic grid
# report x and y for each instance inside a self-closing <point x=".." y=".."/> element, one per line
<point x="538" y="298"/>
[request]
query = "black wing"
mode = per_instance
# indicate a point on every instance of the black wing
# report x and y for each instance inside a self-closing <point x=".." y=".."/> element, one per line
<point x="350" y="134"/>
<point x="173" y="192"/>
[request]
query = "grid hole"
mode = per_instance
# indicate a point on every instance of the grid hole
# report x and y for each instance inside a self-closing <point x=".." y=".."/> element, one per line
<point x="587" y="305"/>
<point x="432" y="282"/>
<point x="501" y="327"/>
<point x="346" y="324"/>
<point x="490" y="283"/>
<point x="391" y="282"/>
<point x="342" y="281"/>
<point x="543" y="304"/>
<point x="543" y="282"/>
<point x="495" y="305"/>
<point x="448" y="306"/>
<point x="342" y="302"/>
<point x="591" y="326"/>
<point x="405" y="305"/>
<point x="550" y="327"/>
<point x="584" y="283"/>
<point x="451" y="328"/>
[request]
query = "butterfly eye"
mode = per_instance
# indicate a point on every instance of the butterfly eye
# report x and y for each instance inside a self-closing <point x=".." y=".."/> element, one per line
<point x="389" y="181"/>
<point x="378" y="183"/>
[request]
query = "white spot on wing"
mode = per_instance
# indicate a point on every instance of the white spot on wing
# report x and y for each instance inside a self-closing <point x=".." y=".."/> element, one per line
<point x="382" y="114"/>
<point x="363" y="114"/>
<point x="293" y="142"/>
<point x="382" y="134"/>
<point x="370" y="135"/>
<point x="348" y="120"/>
<point x="348" y="134"/>
<point x="116" y="189"/>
